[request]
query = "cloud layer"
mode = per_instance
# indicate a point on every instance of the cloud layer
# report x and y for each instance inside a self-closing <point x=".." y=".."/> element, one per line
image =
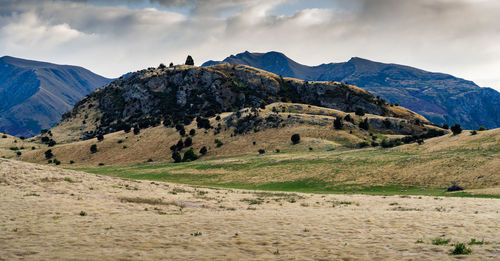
<point x="113" y="37"/>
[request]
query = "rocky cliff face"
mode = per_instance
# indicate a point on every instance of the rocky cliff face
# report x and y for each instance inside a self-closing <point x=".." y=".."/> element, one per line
<point x="441" y="98"/>
<point x="180" y="94"/>
<point x="34" y="95"/>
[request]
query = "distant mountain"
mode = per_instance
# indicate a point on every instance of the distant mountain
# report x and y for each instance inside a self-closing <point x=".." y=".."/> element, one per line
<point x="34" y="95"/>
<point x="441" y="98"/>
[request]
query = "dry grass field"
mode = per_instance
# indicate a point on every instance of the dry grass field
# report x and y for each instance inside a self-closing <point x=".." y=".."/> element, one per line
<point x="48" y="213"/>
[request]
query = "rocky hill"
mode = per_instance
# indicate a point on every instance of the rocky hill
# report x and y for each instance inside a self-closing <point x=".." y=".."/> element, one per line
<point x="181" y="94"/>
<point x="34" y="94"/>
<point x="439" y="97"/>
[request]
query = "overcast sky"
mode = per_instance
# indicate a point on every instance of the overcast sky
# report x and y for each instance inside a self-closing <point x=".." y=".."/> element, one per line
<point x="110" y="37"/>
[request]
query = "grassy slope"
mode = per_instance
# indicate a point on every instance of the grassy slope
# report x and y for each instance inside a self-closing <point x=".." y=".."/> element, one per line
<point x="472" y="161"/>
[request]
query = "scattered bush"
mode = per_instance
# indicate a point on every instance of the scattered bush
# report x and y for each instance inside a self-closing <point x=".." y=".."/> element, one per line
<point x="337" y="123"/>
<point x="57" y="162"/>
<point x="456" y="129"/>
<point x="203" y="123"/>
<point x="203" y="150"/>
<point x="217" y="118"/>
<point x="22" y="137"/>
<point x="473" y="132"/>
<point x="162" y="66"/>
<point x="51" y="143"/>
<point x="93" y="148"/>
<point x="100" y="137"/>
<point x="189" y="155"/>
<point x="180" y="145"/>
<point x="365" y="125"/>
<point x="188" y="142"/>
<point x="176" y="156"/>
<point x="363" y="144"/>
<point x="126" y="128"/>
<point x="218" y="143"/>
<point x="137" y="130"/>
<point x="48" y="154"/>
<point x="71" y="162"/>
<point x="440" y="241"/>
<point x="278" y="151"/>
<point x="461" y="249"/>
<point x="454" y="187"/>
<point x="171" y="65"/>
<point x="19" y="153"/>
<point x="359" y="112"/>
<point x="192" y="132"/>
<point x="4" y="136"/>
<point x="445" y="126"/>
<point x="295" y="139"/>
<point x="481" y="128"/>
<point x="189" y="60"/>
<point x="83" y="213"/>
<point x="348" y="118"/>
<point x="261" y="151"/>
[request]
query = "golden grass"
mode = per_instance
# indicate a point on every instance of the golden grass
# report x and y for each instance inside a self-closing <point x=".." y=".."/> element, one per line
<point x="44" y="217"/>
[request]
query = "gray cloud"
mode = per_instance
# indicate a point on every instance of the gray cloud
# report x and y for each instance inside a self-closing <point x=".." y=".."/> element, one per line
<point x="453" y="36"/>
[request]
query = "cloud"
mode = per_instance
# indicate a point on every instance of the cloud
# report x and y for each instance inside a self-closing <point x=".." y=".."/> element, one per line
<point x="109" y="37"/>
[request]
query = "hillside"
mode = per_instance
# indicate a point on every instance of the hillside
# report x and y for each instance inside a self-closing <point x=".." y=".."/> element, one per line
<point x="181" y="94"/>
<point x="441" y="98"/>
<point x="50" y="213"/>
<point x="35" y="94"/>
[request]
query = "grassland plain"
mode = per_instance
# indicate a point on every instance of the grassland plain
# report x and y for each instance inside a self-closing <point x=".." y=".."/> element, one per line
<point x="49" y="213"/>
<point x="471" y="161"/>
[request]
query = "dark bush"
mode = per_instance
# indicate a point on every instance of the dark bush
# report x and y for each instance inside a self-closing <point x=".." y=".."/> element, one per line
<point x="338" y="124"/>
<point x="218" y="143"/>
<point x="189" y="155"/>
<point x="44" y="139"/>
<point x="295" y="139"/>
<point x="171" y="65"/>
<point x="100" y="137"/>
<point x="22" y="137"/>
<point x="126" y="128"/>
<point x="203" y="123"/>
<point x="189" y="60"/>
<point x="162" y="66"/>
<point x="387" y="123"/>
<point x="182" y="132"/>
<point x="217" y="118"/>
<point x="137" y="130"/>
<point x="359" y="112"/>
<point x="473" y="132"/>
<point x="51" y="143"/>
<point x="48" y="154"/>
<point x="363" y="144"/>
<point x="192" y="132"/>
<point x="188" y="142"/>
<point x="261" y="151"/>
<point x="180" y="145"/>
<point x="364" y="124"/>
<point x="445" y="126"/>
<point x="454" y="187"/>
<point x="456" y="129"/>
<point x="93" y="148"/>
<point x="481" y="128"/>
<point x="203" y="150"/>
<point x="176" y="156"/>
<point x="173" y="147"/>
<point x="348" y="118"/>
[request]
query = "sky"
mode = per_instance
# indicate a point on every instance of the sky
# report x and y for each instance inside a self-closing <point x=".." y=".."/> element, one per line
<point x="111" y="37"/>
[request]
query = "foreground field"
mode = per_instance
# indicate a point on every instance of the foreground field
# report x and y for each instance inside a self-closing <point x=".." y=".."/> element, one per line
<point x="50" y="213"/>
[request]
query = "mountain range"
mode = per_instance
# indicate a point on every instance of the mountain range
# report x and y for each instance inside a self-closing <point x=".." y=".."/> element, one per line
<point x="441" y="98"/>
<point x="35" y="94"/>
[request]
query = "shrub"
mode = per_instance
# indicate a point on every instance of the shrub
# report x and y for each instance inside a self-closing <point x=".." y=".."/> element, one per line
<point x="48" y="154"/>
<point x="176" y="156"/>
<point x="162" y="66"/>
<point x="44" y="139"/>
<point x="461" y="249"/>
<point x="57" y="162"/>
<point x="445" y="126"/>
<point x="454" y="187"/>
<point x="180" y="145"/>
<point x="364" y="144"/>
<point x="387" y="123"/>
<point x="396" y="104"/>
<point x="71" y="162"/>
<point x="203" y="150"/>
<point x="171" y="65"/>
<point x="83" y="213"/>
<point x="192" y="132"/>
<point x="189" y="155"/>
<point x="359" y="112"/>
<point x="188" y="142"/>
<point x="374" y="144"/>
<point x="203" y="123"/>
<point x="440" y="241"/>
<point x="126" y="128"/>
<point x="51" y="143"/>
<point x="337" y="123"/>
<point x="348" y="118"/>
<point x="217" y="118"/>
<point x="189" y="60"/>
<point x="364" y="124"/>
<point x="137" y="130"/>
<point x="473" y="132"/>
<point x="218" y="143"/>
<point x="100" y="137"/>
<point x="182" y="132"/>
<point x="481" y="128"/>
<point x="4" y="136"/>
<point x="262" y="151"/>
<point x="278" y="151"/>
<point x="386" y="144"/>
<point x="19" y="153"/>
<point x="22" y="137"/>
<point x="456" y="129"/>
<point x="295" y="139"/>
<point x="93" y="148"/>
<point x="33" y="148"/>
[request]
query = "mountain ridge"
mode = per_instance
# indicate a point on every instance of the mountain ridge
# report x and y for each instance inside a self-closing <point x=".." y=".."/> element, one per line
<point x="441" y="98"/>
<point x="35" y="94"/>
